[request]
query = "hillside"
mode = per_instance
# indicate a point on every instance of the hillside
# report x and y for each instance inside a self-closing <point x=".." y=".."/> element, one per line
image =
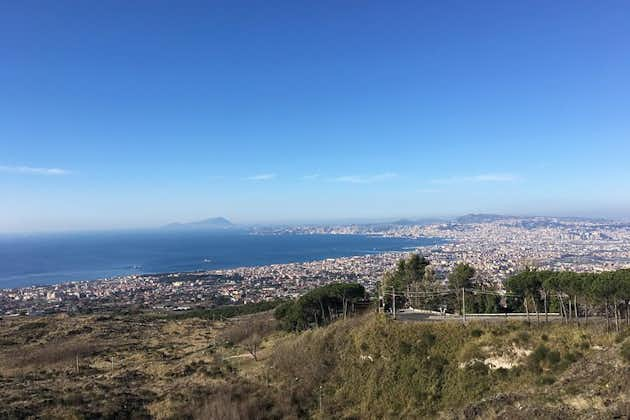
<point x="378" y="368"/>
<point x="146" y="365"/>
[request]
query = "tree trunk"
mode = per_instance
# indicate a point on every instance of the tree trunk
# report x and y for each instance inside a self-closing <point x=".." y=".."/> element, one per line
<point x="321" y="305"/>
<point x="577" y="317"/>
<point x="527" y="310"/>
<point x="546" y="308"/>
<point x="607" y="317"/>
<point x="562" y="311"/>
<point x="536" y="309"/>
<point x="616" y="315"/>
<point x="586" y="314"/>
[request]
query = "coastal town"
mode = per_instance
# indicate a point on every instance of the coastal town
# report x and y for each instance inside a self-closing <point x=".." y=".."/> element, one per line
<point x="497" y="247"/>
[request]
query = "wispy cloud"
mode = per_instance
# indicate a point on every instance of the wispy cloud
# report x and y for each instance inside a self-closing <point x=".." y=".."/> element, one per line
<point x="29" y="170"/>
<point x="365" y="179"/>
<point x="491" y="177"/>
<point x="310" y="177"/>
<point x="261" y="177"/>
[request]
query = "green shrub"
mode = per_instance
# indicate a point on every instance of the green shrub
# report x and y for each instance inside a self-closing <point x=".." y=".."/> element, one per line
<point x="499" y="331"/>
<point x="229" y="311"/>
<point x="546" y="379"/>
<point x="523" y="337"/>
<point x="571" y="357"/>
<point x="476" y="332"/>
<point x="539" y="354"/>
<point x="553" y="357"/>
<point x="427" y="338"/>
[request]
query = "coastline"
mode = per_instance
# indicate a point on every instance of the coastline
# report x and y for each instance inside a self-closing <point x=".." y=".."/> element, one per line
<point x="136" y="255"/>
<point x="184" y="290"/>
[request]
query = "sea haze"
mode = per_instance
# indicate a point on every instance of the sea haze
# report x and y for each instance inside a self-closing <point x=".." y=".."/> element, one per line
<point x="50" y="259"/>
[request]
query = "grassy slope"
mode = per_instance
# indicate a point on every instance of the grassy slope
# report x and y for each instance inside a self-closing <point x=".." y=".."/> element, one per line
<point x="378" y="368"/>
<point x="367" y="367"/>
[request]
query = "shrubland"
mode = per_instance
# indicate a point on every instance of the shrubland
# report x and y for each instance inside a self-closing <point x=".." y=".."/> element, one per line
<point x="137" y="365"/>
<point x="374" y="367"/>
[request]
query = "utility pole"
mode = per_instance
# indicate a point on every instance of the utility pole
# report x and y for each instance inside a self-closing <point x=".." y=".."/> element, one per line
<point x="394" y="302"/>
<point x="463" y="305"/>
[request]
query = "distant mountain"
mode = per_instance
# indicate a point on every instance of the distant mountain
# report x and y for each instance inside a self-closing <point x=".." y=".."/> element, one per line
<point x="481" y="218"/>
<point x="211" y="223"/>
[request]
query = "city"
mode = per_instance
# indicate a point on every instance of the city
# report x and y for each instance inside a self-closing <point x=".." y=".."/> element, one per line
<point x="497" y="248"/>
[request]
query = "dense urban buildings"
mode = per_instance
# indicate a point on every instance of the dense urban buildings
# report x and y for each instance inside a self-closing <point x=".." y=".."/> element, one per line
<point x="496" y="246"/>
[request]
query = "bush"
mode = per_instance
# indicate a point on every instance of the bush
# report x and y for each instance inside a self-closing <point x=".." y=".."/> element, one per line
<point x="539" y="354"/>
<point x="523" y="337"/>
<point x="229" y="311"/>
<point x="625" y="350"/>
<point x="553" y="357"/>
<point x="242" y="400"/>
<point x="53" y="353"/>
<point x="249" y="333"/>
<point x="546" y="379"/>
<point x="571" y="357"/>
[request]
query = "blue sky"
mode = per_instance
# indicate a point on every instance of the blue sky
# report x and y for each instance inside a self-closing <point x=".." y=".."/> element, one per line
<point x="121" y="114"/>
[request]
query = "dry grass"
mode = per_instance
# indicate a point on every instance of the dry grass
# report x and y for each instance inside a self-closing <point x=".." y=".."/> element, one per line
<point x="155" y="362"/>
<point x="172" y="369"/>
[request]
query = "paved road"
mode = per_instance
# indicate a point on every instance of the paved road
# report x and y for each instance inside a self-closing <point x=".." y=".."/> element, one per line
<point x="435" y="317"/>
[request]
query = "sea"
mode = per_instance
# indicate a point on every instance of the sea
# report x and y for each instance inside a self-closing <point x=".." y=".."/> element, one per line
<point x="45" y="259"/>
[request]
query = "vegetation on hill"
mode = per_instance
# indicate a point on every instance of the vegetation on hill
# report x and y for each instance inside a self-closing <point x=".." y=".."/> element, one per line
<point x="366" y="366"/>
<point x="318" y="356"/>
<point x="374" y="367"/>
<point x="229" y="311"/>
<point x="575" y="295"/>
<point x="320" y="306"/>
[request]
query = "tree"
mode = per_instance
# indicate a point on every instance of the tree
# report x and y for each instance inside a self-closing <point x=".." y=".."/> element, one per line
<point x="527" y="285"/>
<point x="407" y="273"/>
<point x="461" y="278"/>
<point x="249" y="333"/>
<point x="320" y="306"/>
<point x="429" y="276"/>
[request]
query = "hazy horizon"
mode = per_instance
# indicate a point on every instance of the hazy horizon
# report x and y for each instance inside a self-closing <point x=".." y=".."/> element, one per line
<point x="306" y="222"/>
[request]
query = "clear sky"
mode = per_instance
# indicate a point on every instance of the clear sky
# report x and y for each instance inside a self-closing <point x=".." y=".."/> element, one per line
<point x="137" y="113"/>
